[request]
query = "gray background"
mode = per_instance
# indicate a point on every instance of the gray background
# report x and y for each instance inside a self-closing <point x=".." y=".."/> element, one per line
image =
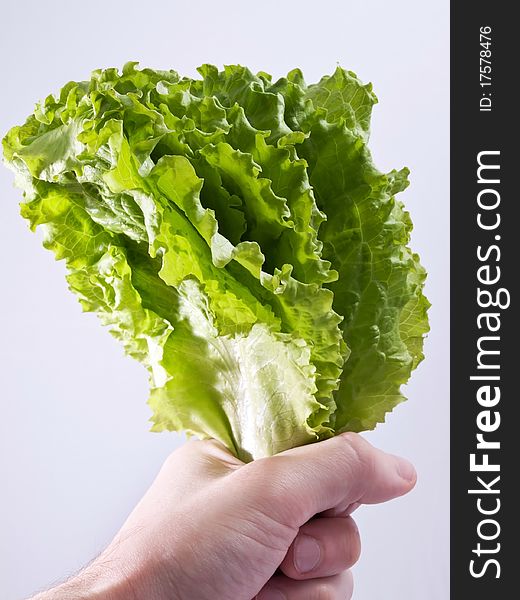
<point x="76" y="453"/>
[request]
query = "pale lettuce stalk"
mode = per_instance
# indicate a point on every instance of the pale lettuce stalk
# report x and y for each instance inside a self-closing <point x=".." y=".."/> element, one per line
<point x="235" y="235"/>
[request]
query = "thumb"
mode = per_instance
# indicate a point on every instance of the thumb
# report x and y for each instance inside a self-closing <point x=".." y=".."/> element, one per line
<point x="329" y="476"/>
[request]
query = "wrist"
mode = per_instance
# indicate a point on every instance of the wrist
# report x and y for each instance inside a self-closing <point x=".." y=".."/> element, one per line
<point x="120" y="572"/>
<point x="100" y="580"/>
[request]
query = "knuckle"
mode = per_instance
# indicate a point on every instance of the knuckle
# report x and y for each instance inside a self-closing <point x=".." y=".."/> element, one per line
<point x="352" y="437"/>
<point x="187" y="454"/>
<point x="361" y="462"/>
<point x="360" y="451"/>
<point x="171" y="459"/>
<point x="354" y="546"/>
<point x="182" y="452"/>
<point x="324" y="591"/>
<point x="353" y="441"/>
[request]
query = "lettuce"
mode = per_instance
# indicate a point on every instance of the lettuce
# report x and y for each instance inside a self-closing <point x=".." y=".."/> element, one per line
<point x="235" y="236"/>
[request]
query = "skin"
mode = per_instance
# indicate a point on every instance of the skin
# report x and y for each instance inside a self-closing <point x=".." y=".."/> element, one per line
<point x="213" y="528"/>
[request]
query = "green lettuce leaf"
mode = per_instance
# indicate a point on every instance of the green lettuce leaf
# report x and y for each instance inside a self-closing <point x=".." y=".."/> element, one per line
<point x="379" y="289"/>
<point x="233" y="233"/>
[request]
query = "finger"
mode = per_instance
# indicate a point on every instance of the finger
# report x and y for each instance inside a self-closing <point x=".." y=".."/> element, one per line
<point x="331" y="474"/>
<point x="323" y="547"/>
<point x="338" y="587"/>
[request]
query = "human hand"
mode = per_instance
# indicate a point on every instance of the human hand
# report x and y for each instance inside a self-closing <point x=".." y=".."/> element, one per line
<point x="213" y="528"/>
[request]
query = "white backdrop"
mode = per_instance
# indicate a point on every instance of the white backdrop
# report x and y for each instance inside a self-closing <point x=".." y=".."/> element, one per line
<point x="75" y="450"/>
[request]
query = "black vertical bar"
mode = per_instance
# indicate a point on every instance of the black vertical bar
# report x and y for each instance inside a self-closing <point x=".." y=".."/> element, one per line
<point x="485" y="124"/>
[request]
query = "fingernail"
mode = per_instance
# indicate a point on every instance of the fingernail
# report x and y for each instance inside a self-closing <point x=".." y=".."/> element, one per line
<point x="307" y="553"/>
<point x="271" y="594"/>
<point x="405" y="469"/>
